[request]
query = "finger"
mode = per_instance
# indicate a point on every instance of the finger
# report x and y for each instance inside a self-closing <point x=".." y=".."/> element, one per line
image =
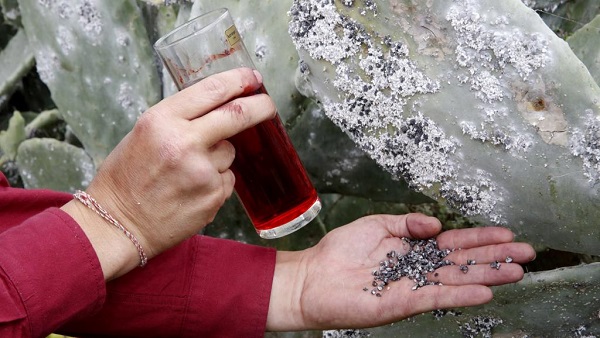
<point x="515" y="252"/>
<point x="474" y="237"/>
<point x="234" y="117"/>
<point x="422" y="226"/>
<point x="482" y="274"/>
<point x="413" y="225"/>
<point x="210" y="93"/>
<point x="394" y="227"/>
<point x="210" y="202"/>
<point x="223" y="154"/>
<point x="228" y="182"/>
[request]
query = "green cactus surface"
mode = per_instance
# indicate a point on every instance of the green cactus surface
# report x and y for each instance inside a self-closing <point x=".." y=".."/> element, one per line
<point x="59" y="165"/>
<point x="565" y="17"/>
<point x="558" y="303"/>
<point x="477" y="104"/>
<point x="11" y="138"/>
<point x="96" y="59"/>
<point x="16" y="60"/>
<point x="585" y="43"/>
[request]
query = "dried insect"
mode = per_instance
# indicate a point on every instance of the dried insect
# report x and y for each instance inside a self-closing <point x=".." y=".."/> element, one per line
<point x="422" y="258"/>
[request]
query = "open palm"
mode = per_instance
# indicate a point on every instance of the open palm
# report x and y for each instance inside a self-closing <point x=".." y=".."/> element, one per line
<point x="327" y="287"/>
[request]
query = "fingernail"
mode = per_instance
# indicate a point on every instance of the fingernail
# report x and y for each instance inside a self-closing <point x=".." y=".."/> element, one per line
<point x="259" y="77"/>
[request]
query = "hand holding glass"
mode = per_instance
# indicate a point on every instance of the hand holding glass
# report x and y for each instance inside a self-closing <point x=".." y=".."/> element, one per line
<point x="271" y="182"/>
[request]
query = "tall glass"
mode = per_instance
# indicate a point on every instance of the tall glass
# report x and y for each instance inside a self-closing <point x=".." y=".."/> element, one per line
<point x="270" y="180"/>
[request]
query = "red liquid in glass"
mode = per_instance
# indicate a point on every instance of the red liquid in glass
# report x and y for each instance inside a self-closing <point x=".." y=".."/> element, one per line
<point x="270" y="180"/>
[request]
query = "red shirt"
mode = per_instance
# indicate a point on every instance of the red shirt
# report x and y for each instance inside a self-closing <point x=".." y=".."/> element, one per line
<point x="51" y="281"/>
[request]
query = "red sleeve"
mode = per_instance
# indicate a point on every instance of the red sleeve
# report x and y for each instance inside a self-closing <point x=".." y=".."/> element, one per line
<point x="205" y="287"/>
<point x="17" y="205"/>
<point x="51" y="278"/>
<point x="49" y="274"/>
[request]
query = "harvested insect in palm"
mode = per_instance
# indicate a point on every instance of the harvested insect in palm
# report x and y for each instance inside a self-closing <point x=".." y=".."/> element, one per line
<point x="423" y="257"/>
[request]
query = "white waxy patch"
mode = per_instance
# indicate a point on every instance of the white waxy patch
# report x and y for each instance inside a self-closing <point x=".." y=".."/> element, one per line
<point x="478" y="197"/>
<point x="65" y="39"/>
<point x="486" y="52"/>
<point x="316" y="28"/>
<point x="89" y="18"/>
<point x="586" y="145"/>
<point x="498" y="134"/>
<point x="123" y="39"/>
<point x="47" y="64"/>
<point x="131" y="104"/>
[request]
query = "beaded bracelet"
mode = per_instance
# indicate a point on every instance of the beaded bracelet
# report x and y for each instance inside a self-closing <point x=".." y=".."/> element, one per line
<point x="91" y="203"/>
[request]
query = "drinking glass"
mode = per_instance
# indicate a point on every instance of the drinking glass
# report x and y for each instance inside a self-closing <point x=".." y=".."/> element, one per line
<point x="270" y="180"/>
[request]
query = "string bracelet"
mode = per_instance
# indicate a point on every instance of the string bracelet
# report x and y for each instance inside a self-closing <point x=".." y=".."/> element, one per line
<point x="92" y="204"/>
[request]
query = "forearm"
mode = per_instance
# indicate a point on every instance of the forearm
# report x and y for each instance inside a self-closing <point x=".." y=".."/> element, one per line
<point x="116" y="253"/>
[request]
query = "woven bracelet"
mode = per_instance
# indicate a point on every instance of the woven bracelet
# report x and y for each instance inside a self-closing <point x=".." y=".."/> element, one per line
<point x="91" y="203"/>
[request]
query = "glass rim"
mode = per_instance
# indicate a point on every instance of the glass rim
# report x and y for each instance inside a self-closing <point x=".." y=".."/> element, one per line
<point x="163" y="42"/>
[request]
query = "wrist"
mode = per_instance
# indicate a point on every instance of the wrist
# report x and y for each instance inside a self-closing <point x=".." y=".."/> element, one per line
<point x="116" y="253"/>
<point x="285" y="306"/>
<point x="126" y="207"/>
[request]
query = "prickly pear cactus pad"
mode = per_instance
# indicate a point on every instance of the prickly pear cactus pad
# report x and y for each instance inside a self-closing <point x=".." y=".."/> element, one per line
<point x="476" y="103"/>
<point x="588" y="51"/>
<point x="96" y="59"/>
<point x="16" y="60"/>
<point x="54" y="165"/>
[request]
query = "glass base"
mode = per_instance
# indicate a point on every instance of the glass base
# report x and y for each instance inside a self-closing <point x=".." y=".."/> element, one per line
<point x="294" y="224"/>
